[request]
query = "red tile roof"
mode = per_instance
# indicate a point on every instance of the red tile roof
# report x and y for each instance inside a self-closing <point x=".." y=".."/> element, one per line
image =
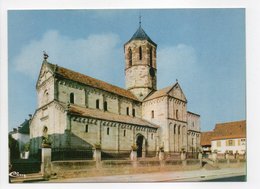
<point x="205" y="139"/>
<point x="87" y="80"/>
<point x="236" y="129"/>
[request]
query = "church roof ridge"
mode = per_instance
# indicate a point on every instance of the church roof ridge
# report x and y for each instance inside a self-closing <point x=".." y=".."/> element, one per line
<point x="90" y="81"/>
<point x="159" y="93"/>
<point x="141" y="35"/>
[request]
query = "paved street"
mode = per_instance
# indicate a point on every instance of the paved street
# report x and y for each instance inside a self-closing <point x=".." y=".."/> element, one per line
<point x="180" y="176"/>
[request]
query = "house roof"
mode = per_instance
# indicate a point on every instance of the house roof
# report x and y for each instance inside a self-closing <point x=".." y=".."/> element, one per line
<point x="205" y="139"/>
<point x="141" y="35"/>
<point x="87" y="80"/>
<point x="104" y="115"/>
<point x="24" y="127"/>
<point x="236" y="129"/>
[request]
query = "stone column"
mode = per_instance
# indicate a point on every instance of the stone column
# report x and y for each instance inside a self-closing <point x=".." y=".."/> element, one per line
<point x="161" y="155"/>
<point x="133" y="155"/>
<point x="97" y="156"/>
<point x="200" y="158"/>
<point x="227" y="157"/>
<point x="183" y="158"/>
<point x="46" y="162"/>
<point x="214" y="156"/>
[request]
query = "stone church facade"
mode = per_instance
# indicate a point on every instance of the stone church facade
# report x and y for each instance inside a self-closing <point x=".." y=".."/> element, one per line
<point x="77" y="111"/>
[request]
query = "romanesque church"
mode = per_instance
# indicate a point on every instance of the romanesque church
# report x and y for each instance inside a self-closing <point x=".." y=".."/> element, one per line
<point x="77" y="111"/>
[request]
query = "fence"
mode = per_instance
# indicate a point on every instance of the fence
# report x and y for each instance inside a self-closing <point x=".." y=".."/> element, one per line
<point x="61" y="154"/>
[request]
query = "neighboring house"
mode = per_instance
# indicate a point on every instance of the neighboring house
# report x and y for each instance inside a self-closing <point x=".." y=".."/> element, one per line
<point x="206" y="141"/>
<point x="21" y="134"/>
<point x="226" y="137"/>
<point x="229" y="137"/>
<point x="194" y="134"/>
<point x="77" y="111"/>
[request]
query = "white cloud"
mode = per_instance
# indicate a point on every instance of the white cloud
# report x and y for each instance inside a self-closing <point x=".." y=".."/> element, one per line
<point x="176" y="62"/>
<point x="94" y="55"/>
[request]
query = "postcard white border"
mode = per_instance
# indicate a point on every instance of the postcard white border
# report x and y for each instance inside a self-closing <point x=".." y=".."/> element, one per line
<point x="252" y="73"/>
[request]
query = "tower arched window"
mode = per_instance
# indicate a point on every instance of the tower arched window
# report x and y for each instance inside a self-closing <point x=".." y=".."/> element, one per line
<point x="105" y="106"/>
<point x="151" y="57"/>
<point x="108" y="131"/>
<point x="130" y="57"/>
<point x="72" y="98"/>
<point x="179" y="129"/>
<point x="177" y="116"/>
<point x="140" y="53"/>
<point x="124" y="132"/>
<point x="174" y="131"/>
<point x="97" y="103"/>
<point x="152" y="114"/>
<point x="127" y="111"/>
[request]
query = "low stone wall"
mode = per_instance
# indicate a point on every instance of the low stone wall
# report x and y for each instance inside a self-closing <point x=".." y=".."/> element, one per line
<point x="69" y="169"/>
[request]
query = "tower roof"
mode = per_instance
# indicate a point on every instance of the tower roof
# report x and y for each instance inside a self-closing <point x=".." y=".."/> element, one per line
<point x="141" y="35"/>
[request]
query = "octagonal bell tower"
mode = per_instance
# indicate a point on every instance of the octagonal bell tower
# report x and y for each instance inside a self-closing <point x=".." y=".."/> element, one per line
<point x="140" y="64"/>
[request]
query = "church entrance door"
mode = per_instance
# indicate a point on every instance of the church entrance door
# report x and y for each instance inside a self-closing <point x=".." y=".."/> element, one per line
<point x="139" y="144"/>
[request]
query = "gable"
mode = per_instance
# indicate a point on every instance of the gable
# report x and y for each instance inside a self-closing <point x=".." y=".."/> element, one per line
<point x="45" y="73"/>
<point x="177" y="92"/>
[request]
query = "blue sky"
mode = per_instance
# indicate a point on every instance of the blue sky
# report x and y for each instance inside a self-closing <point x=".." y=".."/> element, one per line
<point x="203" y="48"/>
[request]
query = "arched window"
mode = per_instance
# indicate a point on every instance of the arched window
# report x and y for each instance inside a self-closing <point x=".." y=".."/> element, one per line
<point x="152" y="114"/>
<point x="97" y="103"/>
<point x="124" y="132"/>
<point x="140" y="53"/>
<point x="133" y="112"/>
<point x="130" y="57"/>
<point x="105" y="106"/>
<point x="108" y="131"/>
<point x="174" y="131"/>
<point x="152" y="136"/>
<point x="177" y="116"/>
<point x="179" y="129"/>
<point x="86" y="128"/>
<point x="72" y="98"/>
<point x="127" y="111"/>
<point x="151" y="57"/>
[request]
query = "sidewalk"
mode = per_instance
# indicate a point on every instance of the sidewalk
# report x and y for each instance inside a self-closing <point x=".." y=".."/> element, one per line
<point x="179" y="176"/>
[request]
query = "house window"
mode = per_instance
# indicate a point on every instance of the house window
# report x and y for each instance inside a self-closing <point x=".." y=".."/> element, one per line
<point x="86" y="128"/>
<point x="105" y="106"/>
<point x="124" y="132"/>
<point x="127" y="111"/>
<point x="108" y="131"/>
<point x="151" y="57"/>
<point x="133" y="112"/>
<point x="130" y="57"/>
<point x="72" y="98"/>
<point x="140" y="53"/>
<point x="218" y="143"/>
<point x="97" y="103"/>
<point x="230" y="142"/>
<point x="152" y="114"/>
<point x="176" y="114"/>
